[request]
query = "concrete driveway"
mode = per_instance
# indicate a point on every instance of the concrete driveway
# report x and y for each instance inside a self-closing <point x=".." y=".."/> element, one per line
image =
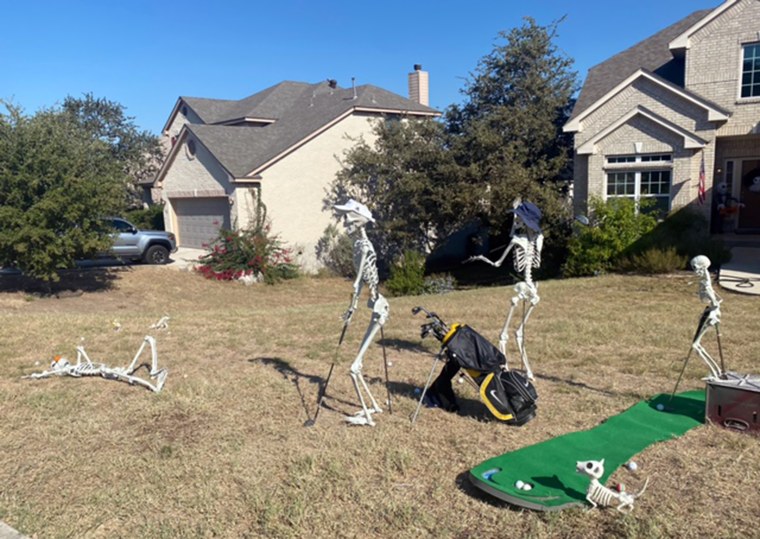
<point x="185" y="258"/>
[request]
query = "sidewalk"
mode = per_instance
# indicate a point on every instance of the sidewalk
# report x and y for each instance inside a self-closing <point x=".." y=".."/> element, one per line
<point x="6" y="532"/>
<point x="742" y="273"/>
<point x="185" y="258"/>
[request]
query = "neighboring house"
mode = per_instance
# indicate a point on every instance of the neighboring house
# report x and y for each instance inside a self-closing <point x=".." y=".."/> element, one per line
<point x="681" y="104"/>
<point x="282" y="145"/>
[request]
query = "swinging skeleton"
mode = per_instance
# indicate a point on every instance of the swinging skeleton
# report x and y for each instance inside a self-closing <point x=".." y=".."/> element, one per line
<point x="61" y="366"/>
<point x="710" y="316"/>
<point x="597" y="494"/>
<point x="527" y="242"/>
<point x="356" y="217"/>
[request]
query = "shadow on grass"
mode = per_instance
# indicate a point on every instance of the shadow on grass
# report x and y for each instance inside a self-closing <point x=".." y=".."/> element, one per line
<point x="403" y="344"/>
<point x="582" y="385"/>
<point x="73" y="282"/>
<point x="294" y="375"/>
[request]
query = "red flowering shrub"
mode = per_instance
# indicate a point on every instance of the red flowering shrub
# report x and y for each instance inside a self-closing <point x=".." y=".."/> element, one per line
<point x="238" y="253"/>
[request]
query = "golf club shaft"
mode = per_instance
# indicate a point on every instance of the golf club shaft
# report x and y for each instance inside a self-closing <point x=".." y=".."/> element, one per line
<point x="427" y="385"/>
<point x="323" y="389"/>
<point x="385" y="363"/>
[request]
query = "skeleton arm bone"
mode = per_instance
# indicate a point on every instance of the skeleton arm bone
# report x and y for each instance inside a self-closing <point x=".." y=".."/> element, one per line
<point x="358" y="285"/>
<point x="499" y="262"/>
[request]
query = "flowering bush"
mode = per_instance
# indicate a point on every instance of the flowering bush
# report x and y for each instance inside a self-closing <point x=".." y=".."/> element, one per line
<point x="246" y="253"/>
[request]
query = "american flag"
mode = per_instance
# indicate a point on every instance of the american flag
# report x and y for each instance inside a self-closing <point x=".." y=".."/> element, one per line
<point x="701" y="189"/>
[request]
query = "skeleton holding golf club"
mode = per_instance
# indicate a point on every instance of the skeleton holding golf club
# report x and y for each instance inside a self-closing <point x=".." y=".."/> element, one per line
<point x="356" y="216"/>
<point x="527" y="242"/>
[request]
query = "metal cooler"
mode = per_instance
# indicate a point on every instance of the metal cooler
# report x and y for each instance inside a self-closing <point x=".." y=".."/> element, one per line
<point x="733" y="402"/>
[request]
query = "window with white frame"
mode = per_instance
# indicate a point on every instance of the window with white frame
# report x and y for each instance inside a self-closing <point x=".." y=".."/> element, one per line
<point x="751" y="71"/>
<point x="640" y="177"/>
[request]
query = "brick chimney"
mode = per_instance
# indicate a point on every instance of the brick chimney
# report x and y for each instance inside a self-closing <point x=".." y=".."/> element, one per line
<point x="419" y="86"/>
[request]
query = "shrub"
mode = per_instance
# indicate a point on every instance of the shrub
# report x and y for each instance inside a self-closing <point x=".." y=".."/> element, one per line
<point x="687" y="231"/>
<point x="251" y="251"/>
<point x="407" y="275"/>
<point x="616" y="226"/>
<point x="336" y="251"/>
<point x="150" y="218"/>
<point x="655" y="260"/>
<point x="439" y="283"/>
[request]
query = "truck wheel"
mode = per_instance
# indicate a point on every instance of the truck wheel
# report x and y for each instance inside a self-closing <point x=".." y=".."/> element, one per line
<point x="156" y="254"/>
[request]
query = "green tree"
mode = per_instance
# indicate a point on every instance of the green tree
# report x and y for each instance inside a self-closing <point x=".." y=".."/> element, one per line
<point x="508" y="133"/>
<point x="425" y="179"/>
<point x="57" y="179"/>
<point x="139" y="152"/>
<point x="407" y="178"/>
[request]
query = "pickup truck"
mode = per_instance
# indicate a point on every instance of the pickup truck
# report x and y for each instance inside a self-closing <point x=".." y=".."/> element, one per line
<point x="150" y="246"/>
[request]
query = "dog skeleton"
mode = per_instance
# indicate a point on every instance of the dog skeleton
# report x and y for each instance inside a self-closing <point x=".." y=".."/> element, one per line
<point x="597" y="494"/>
<point x="527" y="242"/>
<point x="365" y="261"/>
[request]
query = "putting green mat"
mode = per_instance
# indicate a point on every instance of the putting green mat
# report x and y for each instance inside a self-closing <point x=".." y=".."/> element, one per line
<point x="549" y="467"/>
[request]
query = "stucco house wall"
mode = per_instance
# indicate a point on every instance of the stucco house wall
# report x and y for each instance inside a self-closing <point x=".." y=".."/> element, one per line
<point x="301" y="180"/>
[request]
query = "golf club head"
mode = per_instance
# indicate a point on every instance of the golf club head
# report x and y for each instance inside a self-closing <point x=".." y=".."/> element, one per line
<point x="309" y="423"/>
<point x="582" y="219"/>
<point x="416" y="310"/>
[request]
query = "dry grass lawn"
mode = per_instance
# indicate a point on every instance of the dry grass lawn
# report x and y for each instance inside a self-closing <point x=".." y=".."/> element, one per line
<point x="222" y="451"/>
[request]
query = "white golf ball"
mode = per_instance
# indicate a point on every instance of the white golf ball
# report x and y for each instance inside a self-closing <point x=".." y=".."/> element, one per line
<point x="660" y="407"/>
<point x="519" y="484"/>
<point x="527" y="486"/>
<point x="461" y="380"/>
<point x="632" y="466"/>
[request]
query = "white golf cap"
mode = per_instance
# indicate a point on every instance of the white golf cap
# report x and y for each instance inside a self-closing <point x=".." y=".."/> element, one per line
<point x="358" y="208"/>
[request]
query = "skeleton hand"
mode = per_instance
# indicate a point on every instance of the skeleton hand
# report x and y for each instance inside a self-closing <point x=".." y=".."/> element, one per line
<point x="346" y="316"/>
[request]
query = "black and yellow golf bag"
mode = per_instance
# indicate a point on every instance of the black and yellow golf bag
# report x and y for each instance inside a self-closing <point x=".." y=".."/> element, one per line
<point x="508" y="395"/>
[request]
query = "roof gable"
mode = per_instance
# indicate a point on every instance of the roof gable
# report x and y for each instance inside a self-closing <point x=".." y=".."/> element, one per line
<point x="682" y="41"/>
<point x="690" y="140"/>
<point x="651" y="54"/>
<point x="714" y="112"/>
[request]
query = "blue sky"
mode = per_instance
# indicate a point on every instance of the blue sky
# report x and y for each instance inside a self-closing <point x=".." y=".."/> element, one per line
<point x="145" y="54"/>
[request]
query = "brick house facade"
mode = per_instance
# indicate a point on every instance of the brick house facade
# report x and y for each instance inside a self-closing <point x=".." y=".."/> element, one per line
<point x="686" y="100"/>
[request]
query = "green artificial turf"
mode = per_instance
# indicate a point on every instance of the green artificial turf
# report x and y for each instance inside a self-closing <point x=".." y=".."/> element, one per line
<point x="550" y="466"/>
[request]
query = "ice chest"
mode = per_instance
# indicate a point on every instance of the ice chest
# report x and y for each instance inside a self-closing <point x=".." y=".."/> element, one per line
<point x="733" y="402"/>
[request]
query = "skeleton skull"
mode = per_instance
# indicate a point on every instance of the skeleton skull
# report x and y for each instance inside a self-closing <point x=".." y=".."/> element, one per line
<point x="700" y="263"/>
<point x="356" y="215"/>
<point x="591" y="468"/>
<point x="59" y="363"/>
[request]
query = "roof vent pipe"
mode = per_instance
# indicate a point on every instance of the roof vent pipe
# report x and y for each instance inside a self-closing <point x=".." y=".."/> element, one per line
<point x="353" y="85"/>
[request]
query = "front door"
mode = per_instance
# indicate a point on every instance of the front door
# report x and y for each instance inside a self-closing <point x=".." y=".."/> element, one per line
<point x="749" y="195"/>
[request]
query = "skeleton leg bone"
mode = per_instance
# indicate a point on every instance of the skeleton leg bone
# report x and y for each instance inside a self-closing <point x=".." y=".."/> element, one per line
<point x="364" y="416"/>
<point x="520" y="339"/>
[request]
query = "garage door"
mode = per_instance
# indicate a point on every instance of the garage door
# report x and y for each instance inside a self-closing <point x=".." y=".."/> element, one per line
<point x="199" y="219"/>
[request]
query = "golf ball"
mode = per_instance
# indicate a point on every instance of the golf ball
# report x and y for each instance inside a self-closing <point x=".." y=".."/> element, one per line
<point x="461" y="380"/>
<point x="527" y="486"/>
<point x="632" y="466"/>
<point x="660" y="407"/>
<point x="519" y="484"/>
<point x="417" y="391"/>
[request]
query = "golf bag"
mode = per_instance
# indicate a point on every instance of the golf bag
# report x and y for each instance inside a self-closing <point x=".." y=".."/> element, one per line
<point x="508" y="395"/>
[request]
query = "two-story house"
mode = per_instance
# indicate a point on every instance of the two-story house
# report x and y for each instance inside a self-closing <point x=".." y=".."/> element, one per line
<point x="675" y="116"/>
<point x="281" y="146"/>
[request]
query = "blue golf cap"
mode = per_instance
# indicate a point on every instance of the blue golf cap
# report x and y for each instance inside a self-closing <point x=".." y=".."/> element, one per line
<point x="530" y="215"/>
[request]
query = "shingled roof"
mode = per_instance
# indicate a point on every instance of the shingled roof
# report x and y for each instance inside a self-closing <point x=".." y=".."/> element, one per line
<point x="652" y="54"/>
<point x="296" y="111"/>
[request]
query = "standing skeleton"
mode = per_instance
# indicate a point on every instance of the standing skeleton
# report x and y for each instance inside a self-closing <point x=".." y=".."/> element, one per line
<point x="527" y="242"/>
<point x="356" y="217"/>
<point x="710" y="316"/>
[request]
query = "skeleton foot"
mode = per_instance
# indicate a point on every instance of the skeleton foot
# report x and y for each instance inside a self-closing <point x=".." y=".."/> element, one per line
<point x="360" y="419"/>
